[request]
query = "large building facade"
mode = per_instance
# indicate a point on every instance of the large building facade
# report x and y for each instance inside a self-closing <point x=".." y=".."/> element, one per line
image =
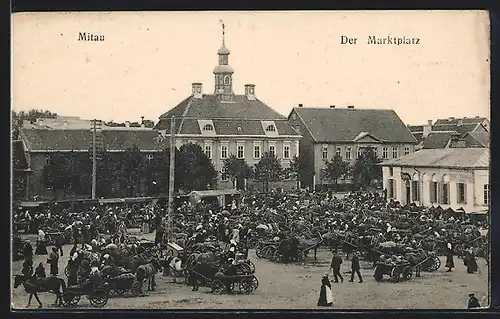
<point x="346" y="132"/>
<point x="456" y="178"/>
<point x="224" y="123"/>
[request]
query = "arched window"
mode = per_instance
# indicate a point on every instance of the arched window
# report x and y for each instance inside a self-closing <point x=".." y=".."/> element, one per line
<point x="271" y="128"/>
<point x="227" y="80"/>
<point x="208" y="127"/>
<point x="433" y="188"/>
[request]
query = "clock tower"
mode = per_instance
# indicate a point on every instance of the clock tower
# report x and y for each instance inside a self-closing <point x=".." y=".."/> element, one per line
<point x="224" y="73"/>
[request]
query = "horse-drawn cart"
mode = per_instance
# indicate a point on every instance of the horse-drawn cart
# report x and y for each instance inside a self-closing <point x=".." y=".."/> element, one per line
<point x="396" y="271"/>
<point x="98" y="297"/>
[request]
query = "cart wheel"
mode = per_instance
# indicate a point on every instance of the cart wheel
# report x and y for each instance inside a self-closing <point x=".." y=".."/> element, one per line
<point x="258" y="253"/>
<point x="395" y="274"/>
<point x="248" y="285"/>
<point x="407" y="273"/>
<point x="435" y="264"/>
<point x="218" y="287"/>
<point x="275" y="256"/>
<point x="66" y="271"/>
<point x="244" y="269"/>
<point x="70" y="299"/>
<point x="98" y="298"/>
<point x="378" y="274"/>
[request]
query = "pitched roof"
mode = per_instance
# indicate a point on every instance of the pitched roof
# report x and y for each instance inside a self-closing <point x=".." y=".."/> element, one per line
<point x="465" y="120"/>
<point x="460" y="128"/>
<point x="227" y="127"/>
<point x="418" y="136"/>
<point x="81" y="140"/>
<point x="478" y="139"/>
<point x="436" y="140"/>
<point x="209" y="107"/>
<point x="335" y="124"/>
<point x="416" y="128"/>
<point x="446" y="158"/>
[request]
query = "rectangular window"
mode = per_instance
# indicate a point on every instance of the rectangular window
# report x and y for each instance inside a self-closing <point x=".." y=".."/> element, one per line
<point x="376" y="152"/>
<point x="325" y="153"/>
<point x="445" y="194"/>
<point x="286" y="151"/>
<point x="256" y="151"/>
<point x="391" y="171"/>
<point x="297" y="128"/>
<point x="241" y="151"/>
<point x="461" y="193"/>
<point x="407" y="150"/>
<point x="208" y="150"/>
<point x="415" y="191"/>
<point x="486" y="194"/>
<point x="338" y="152"/>
<point x="433" y="190"/>
<point x="348" y="153"/>
<point x="272" y="150"/>
<point x="223" y="151"/>
<point x="224" y="176"/>
<point x="359" y="152"/>
<point x="395" y="152"/>
<point x="385" y="153"/>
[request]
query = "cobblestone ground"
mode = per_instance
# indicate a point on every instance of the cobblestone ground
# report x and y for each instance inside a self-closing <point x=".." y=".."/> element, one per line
<point x="296" y="286"/>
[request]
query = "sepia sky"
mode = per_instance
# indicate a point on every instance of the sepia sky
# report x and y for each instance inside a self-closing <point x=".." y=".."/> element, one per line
<point x="148" y="61"/>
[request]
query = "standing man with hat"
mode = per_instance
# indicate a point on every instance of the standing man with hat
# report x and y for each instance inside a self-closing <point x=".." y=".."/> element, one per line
<point x="355" y="267"/>
<point x="335" y="265"/>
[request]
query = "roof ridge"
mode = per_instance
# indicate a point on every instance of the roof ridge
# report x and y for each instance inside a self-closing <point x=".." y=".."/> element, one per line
<point x="340" y="108"/>
<point x="186" y="109"/>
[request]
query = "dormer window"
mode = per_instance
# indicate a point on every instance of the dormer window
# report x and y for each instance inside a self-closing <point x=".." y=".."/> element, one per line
<point x="271" y="128"/>
<point x="208" y="127"/>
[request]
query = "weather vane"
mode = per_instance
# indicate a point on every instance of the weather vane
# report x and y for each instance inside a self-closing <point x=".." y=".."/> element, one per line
<point x="223" y="30"/>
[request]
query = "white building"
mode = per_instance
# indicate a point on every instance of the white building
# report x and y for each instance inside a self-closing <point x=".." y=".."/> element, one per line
<point x="451" y="178"/>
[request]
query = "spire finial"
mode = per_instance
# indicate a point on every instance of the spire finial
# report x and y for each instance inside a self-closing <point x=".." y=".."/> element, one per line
<point x="223" y="31"/>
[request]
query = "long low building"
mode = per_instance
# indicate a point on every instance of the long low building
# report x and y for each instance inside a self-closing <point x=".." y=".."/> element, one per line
<point x="456" y="178"/>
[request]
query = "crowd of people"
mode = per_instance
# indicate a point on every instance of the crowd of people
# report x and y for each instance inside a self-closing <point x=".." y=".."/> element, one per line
<point x="274" y="215"/>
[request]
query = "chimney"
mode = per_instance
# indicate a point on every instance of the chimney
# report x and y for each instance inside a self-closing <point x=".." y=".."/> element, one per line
<point x="427" y="128"/>
<point x="197" y="90"/>
<point x="350" y="106"/>
<point x="127" y="124"/>
<point x="250" y="91"/>
<point x="332" y="106"/>
<point x="451" y="118"/>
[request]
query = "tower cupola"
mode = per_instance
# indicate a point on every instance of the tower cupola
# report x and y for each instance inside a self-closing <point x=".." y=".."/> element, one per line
<point x="224" y="73"/>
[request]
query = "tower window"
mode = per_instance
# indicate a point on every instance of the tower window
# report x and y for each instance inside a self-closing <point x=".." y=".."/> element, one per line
<point x="271" y="128"/>
<point x="208" y="127"/>
<point x="227" y="80"/>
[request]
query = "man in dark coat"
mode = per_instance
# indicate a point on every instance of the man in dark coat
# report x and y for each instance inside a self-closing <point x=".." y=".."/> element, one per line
<point x="473" y="302"/>
<point x="28" y="251"/>
<point x="40" y="271"/>
<point x="449" y="258"/>
<point x="54" y="262"/>
<point x="355" y="268"/>
<point x="335" y="265"/>
<point x="58" y="243"/>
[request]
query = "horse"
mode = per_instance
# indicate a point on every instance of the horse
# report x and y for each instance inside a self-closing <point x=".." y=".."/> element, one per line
<point x="148" y="271"/>
<point x="201" y="272"/>
<point x="208" y="257"/>
<point x="311" y="244"/>
<point x="33" y="286"/>
<point x="174" y="265"/>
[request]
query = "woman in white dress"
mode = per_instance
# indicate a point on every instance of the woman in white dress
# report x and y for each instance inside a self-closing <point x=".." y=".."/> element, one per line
<point x="325" y="294"/>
